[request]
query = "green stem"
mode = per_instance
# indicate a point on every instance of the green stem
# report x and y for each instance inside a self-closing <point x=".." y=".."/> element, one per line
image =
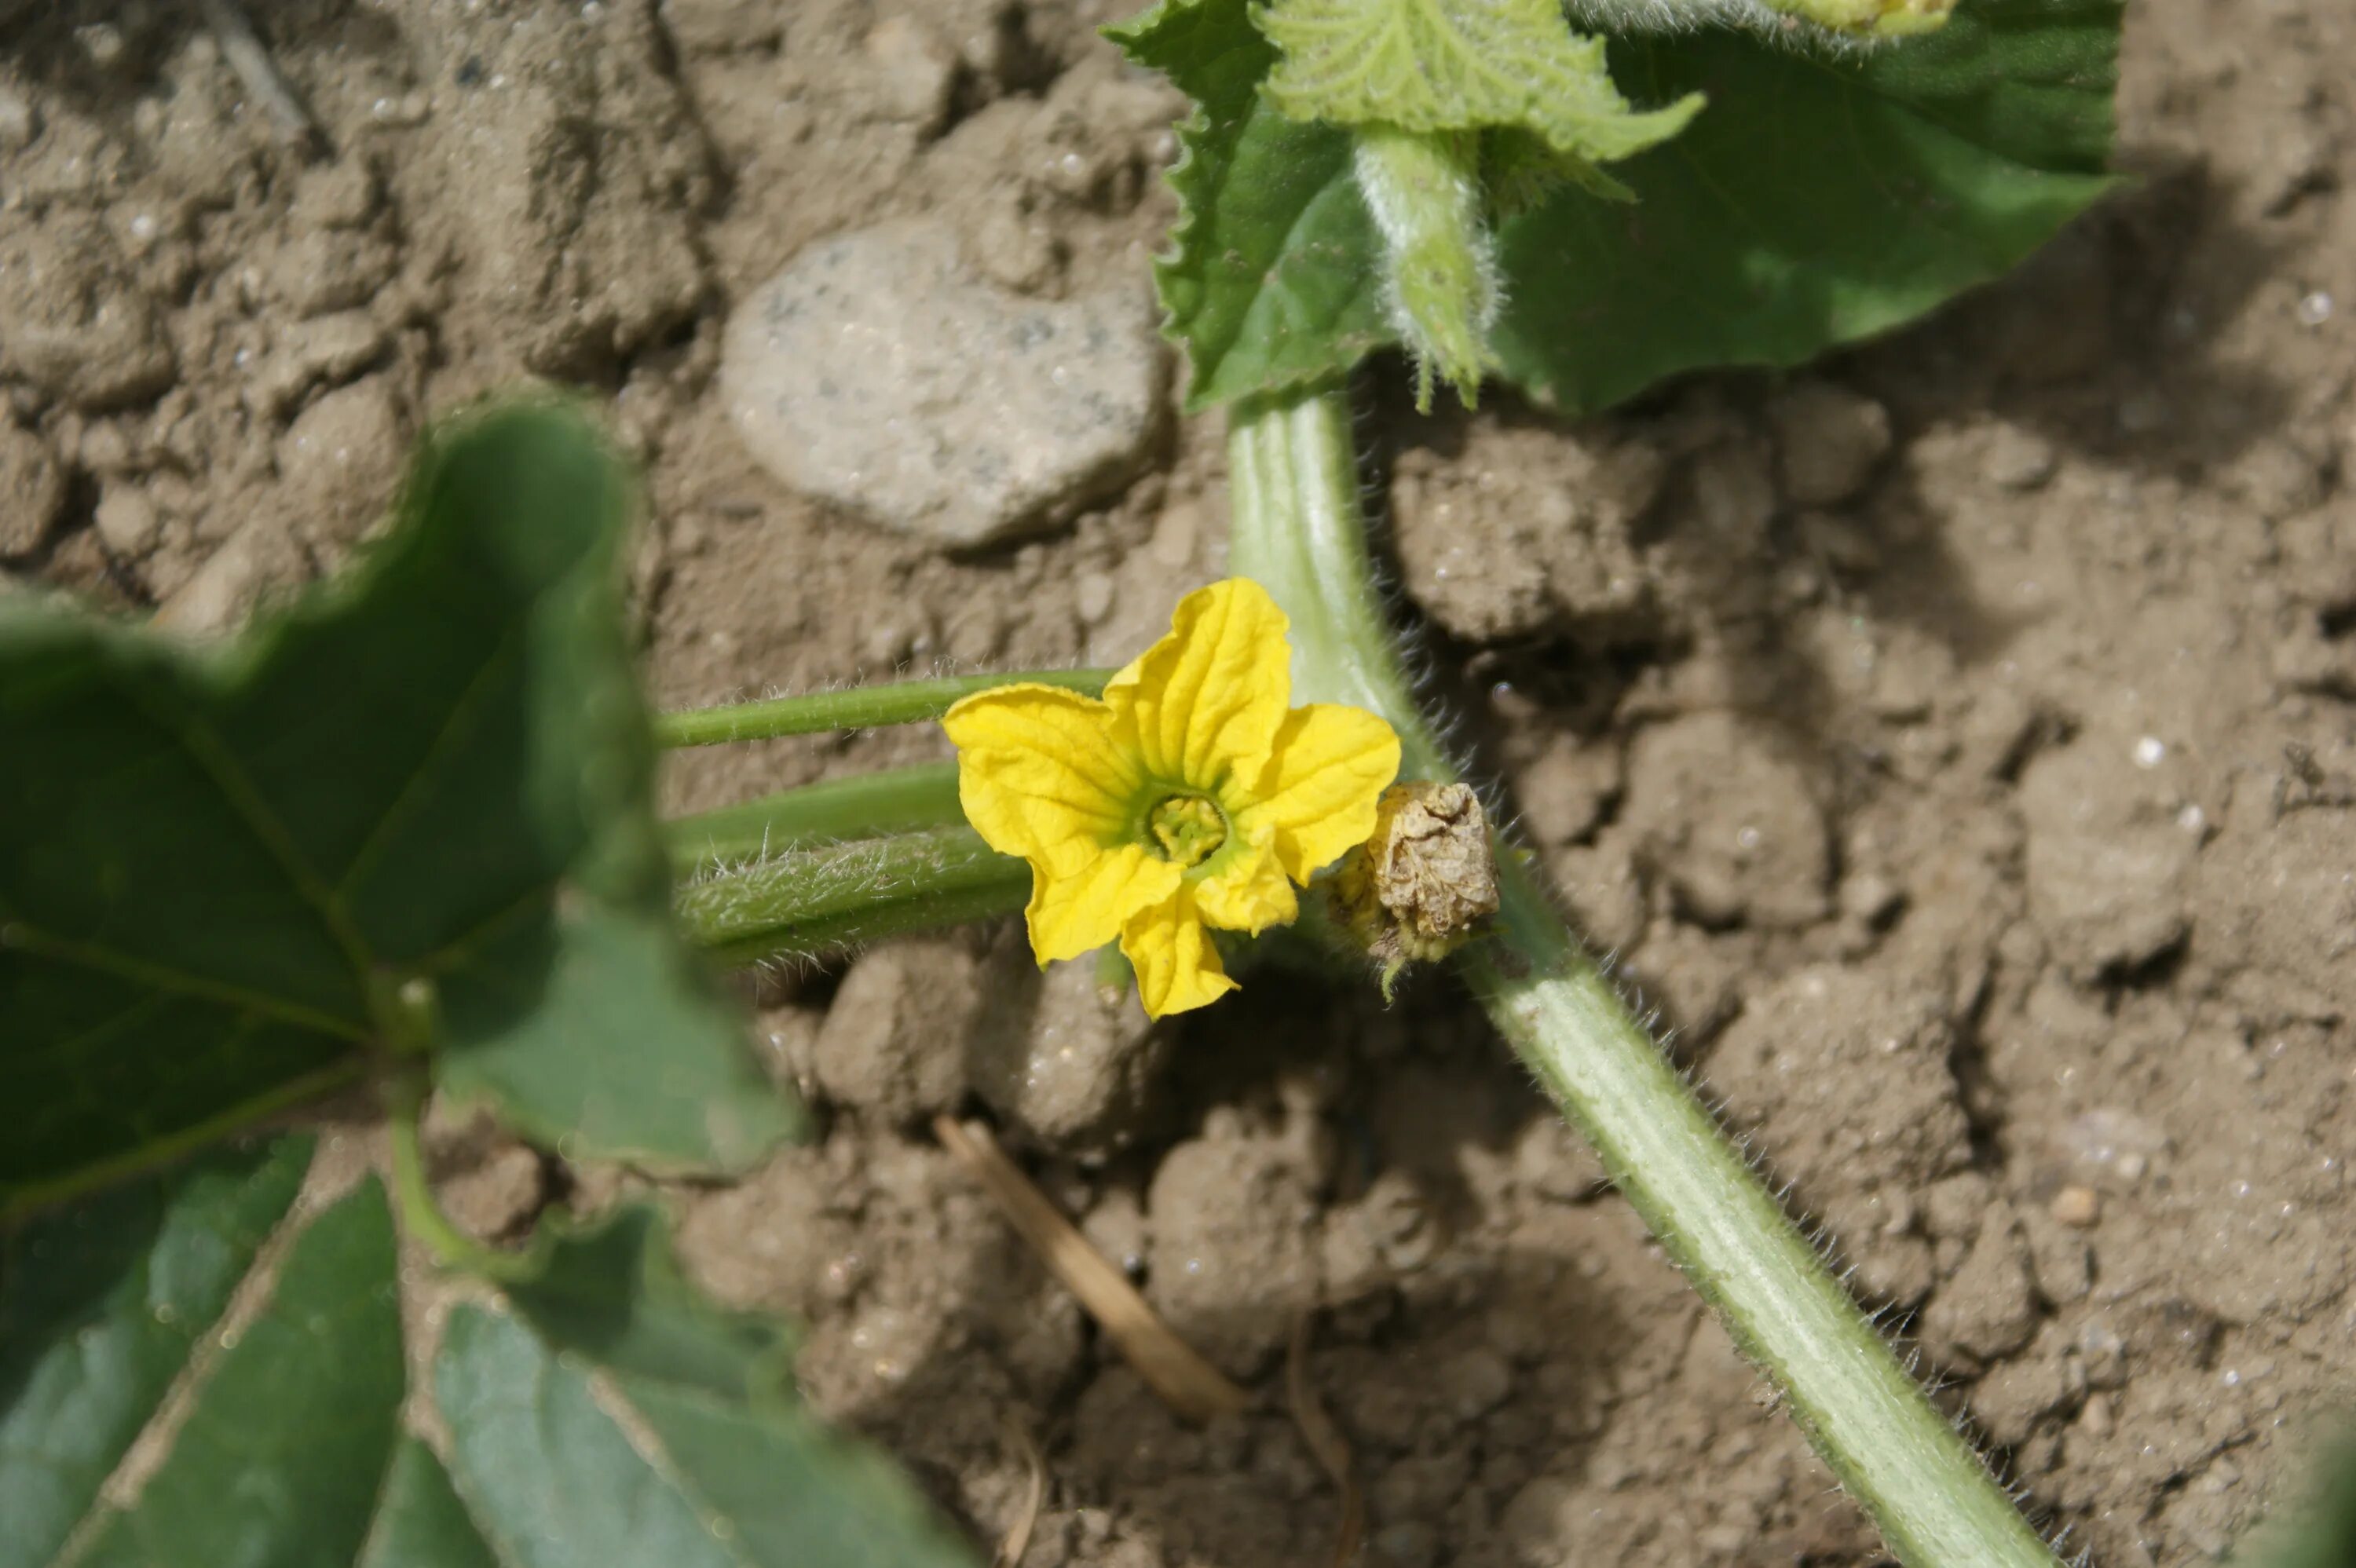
<point x="854" y="708"/>
<point x="813" y="901"/>
<point x="868" y="805"/>
<point x="1298" y="530"/>
<point x="420" y="1214"/>
<point x="1440" y="263"/>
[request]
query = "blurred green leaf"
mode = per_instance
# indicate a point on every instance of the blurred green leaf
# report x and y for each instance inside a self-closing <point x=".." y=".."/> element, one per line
<point x="100" y="1308"/>
<point x="420" y="1523"/>
<point x="611" y="1291"/>
<point x="282" y="1449"/>
<point x="216" y="864"/>
<point x="279" y="1443"/>
<point x="1819" y="198"/>
<point x="744" y="1474"/>
<point x="2319" y="1530"/>
<point x="1274" y="278"/>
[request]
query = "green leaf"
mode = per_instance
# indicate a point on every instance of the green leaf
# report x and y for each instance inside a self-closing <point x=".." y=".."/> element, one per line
<point x="611" y="1291"/>
<point x="1458" y="65"/>
<point x="279" y="1443"/>
<point x="740" y="1473"/>
<point x="2317" y="1530"/>
<point x="1821" y="198"/>
<point x="284" y="1448"/>
<point x="217" y="864"/>
<point x="1274" y="278"/>
<point x="420" y="1523"/>
<point x="100" y="1309"/>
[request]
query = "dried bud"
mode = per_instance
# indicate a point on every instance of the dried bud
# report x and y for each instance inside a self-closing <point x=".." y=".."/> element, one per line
<point x="1427" y="875"/>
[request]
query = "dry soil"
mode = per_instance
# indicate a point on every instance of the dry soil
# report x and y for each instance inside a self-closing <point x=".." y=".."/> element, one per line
<point x="1957" y="742"/>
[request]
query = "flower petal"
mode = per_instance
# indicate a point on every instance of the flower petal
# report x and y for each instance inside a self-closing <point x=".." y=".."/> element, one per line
<point x="1177" y="967"/>
<point x="1208" y="698"/>
<point x="1249" y="893"/>
<point x="1070" y="914"/>
<point x="1042" y="774"/>
<point x="1329" y="767"/>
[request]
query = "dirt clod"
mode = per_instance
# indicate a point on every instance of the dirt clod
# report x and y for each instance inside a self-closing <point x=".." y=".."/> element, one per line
<point x="2108" y="862"/>
<point x="1072" y="1064"/>
<point x="35" y="489"/>
<point x="893" y="1043"/>
<point x="1828" y="440"/>
<point x="1729" y="821"/>
<point x="1232" y="1259"/>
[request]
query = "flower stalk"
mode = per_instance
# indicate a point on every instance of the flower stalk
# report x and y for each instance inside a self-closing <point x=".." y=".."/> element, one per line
<point x="1298" y="530"/>
<point x="853" y="707"/>
<point x="808" y="903"/>
<point x="864" y="805"/>
<point x="1423" y="189"/>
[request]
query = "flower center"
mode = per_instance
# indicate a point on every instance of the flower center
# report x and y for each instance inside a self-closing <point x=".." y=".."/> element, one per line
<point x="1188" y="827"/>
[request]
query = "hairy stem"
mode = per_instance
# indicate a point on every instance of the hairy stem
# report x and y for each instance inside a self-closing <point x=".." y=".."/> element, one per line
<point x="1423" y="189"/>
<point x="854" y="708"/>
<point x="812" y="902"/>
<point x="868" y="805"/>
<point x="1298" y="530"/>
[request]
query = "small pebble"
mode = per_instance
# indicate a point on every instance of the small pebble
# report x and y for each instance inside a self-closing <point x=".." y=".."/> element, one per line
<point x="1092" y="593"/>
<point x="2078" y="1207"/>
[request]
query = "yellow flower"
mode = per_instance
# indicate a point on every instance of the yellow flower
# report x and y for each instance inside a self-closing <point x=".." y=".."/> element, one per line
<point x="1193" y="795"/>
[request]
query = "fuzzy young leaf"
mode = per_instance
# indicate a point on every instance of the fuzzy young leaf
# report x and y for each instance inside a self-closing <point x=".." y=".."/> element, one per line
<point x="1459" y="64"/>
<point x="217" y="864"/>
<point x="1822" y="198"/>
<point x="1274" y="278"/>
<point x="745" y="1477"/>
<point x="100" y="1309"/>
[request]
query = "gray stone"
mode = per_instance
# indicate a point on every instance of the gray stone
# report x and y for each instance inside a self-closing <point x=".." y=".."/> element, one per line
<point x="875" y="372"/>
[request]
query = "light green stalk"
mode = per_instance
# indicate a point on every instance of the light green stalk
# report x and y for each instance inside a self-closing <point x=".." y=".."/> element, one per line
<point x="864" y="805"/>
<point x="854" y="708"/>
<point x="1440" y="262"/>
<point x="809" y="902"/>
<point x="1299" y="531"/>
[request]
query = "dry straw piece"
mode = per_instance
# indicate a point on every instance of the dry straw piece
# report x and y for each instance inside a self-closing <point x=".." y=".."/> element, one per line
<point x="1186" y="1382"/>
